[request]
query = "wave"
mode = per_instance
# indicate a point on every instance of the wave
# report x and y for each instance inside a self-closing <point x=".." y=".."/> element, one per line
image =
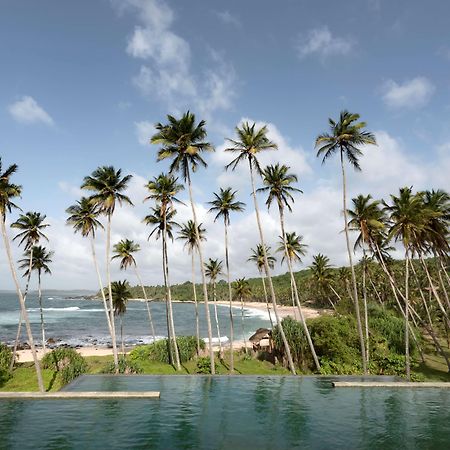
<point x="69" y="308"/>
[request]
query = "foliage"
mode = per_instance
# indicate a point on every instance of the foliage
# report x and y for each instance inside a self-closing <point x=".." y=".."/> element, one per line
<point x="126" y="367"/>
<point x="5" y="360"/>
<point x="159" y="350"/>
<point x="204" y="365"/>
<point x="67" y="362"/>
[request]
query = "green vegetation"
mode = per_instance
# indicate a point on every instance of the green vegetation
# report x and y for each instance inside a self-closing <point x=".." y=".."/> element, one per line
<point x="66" y="362"/>
<point x="5" y="359"/>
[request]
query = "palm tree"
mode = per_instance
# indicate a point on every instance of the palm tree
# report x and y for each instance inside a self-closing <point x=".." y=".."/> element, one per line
<point x="188" y="234"/>
<point x="257" y="257"/>
<point x="242" y="291"/>
<point x="41" y="260"/>
<point x="249" y="143"/>
<point x="223" y="204"/>
<point x="322" y="275"/>
<point x="120" y="294"/>
<point x="124" y="250"/>
<point x="213" y="269"/>
<point x="107" y="185"/>
<point x="182" y="141"/>
<point x="367" y="218"/>
<point x="83" y="217"/>
<point x="30" y="226"/>
<point x="346" y="137"/>
<point x="163" y="189"/>
<point x="9" y="191"/>
<point x="408" y="222"/>
<point x="162" y="227"/>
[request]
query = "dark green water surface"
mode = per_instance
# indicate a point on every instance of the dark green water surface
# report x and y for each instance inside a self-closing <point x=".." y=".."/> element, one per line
<point x="230" y="413"/>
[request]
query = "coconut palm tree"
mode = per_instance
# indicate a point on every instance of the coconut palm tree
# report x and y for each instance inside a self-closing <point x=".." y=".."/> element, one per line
<point x="251" y="142"/>
<point x="242" y="291"/>
<point x="322" y="275"/>
<point x="257" y="257"/>
<point x="161" y="219"/>
<point x="163" y="190"/>
<point x="188" y="234"/>
<point x="41" y="260"/>
<point x="83" y="217"/>
<point x="30" y="226"/>
<point x="108" y="185"/>
<point x="213" y="269"/>
<point x="346" y="136"/>
<point x="183" y="142"/>
<point x="8" y="192"/>
<point x="124" y="250"/>
<point x="120" y="294"/>
<point x="223" y="204"/>
<point x="408" y="221"/>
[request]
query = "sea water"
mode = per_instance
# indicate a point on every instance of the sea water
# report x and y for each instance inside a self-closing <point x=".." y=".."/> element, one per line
<point x="74" y="320"/>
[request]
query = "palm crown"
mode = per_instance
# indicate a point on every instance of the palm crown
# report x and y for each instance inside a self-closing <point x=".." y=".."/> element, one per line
<point x="41" y="260"/>
<point x="187" y="233"/>
<point x="124" y="250"/>
<point x="158" y="218"/>
<point x="120" y="294"/>
<point x="277" y="182"/>
<point x="163" y="189"/>
<point x="242" y="288"/>
<point x="321" y="269"/>
<point x="31" y="225"/>
<point x="182" y="141"/>
<point x="83" y="217"/>
<point x="8" y="190"/>
<point x="225" y="202"/>
<point x="213" y="268"/>
<point x="295" y="248"/>
<point x="257" y="256"/>
<point x="346" y="136"/>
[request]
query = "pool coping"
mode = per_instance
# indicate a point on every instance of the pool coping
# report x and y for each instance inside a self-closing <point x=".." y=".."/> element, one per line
<point x="390" y="384"/>
<point x="70" y="395"/>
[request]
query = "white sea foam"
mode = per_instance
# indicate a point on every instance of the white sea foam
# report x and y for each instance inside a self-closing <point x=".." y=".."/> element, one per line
<point x="69" y="308"/>
<point x="223" y="340"/>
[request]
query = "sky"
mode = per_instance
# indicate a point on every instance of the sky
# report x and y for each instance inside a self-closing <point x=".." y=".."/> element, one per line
<point x="83" y="83"/>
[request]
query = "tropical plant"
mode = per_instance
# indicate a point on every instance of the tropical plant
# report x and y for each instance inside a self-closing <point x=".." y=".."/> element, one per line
<point x="188" y="234"/>
<point x="108" y="185"/>
<point x="67" y="362"/>
<point x="213" y="269"/>
<point x="346" y="136"/>
<point x="242" y="291"/>
<point x="223" y="204"/>
<point x="121" y="294"/>
<point x="182" y="141"/>
<point x="321" y="272"/>
<point x="8" y="192"/>
<point x="249" y="143"/>
<point x="124" y="250"/>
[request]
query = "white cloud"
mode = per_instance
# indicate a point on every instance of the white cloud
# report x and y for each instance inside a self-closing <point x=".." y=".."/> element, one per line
<point x="321" y="42"/>
<point x="228" y="19"/>
<point x="411" y="94"/>
<point x="144" y="130"/>
<point x="28" y="111"/>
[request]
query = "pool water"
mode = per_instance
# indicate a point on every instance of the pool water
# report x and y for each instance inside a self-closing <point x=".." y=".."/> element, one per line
<point x="223" y="412"/>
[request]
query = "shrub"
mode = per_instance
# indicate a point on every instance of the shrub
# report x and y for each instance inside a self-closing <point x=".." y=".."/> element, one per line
<point x="5" y="361"/>
<point x="126" y="367"/>
<point x="204" y="365"/>
<point x="159" y="350"/>
<point x="67" y="362"/>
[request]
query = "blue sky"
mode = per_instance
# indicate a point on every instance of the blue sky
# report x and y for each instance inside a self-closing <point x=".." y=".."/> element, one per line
<point x="83" y="82"/>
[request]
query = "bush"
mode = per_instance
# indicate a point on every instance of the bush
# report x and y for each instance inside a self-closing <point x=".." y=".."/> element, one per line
<point x="204" y="365"/>
<point x="126" y="367"/>
<point x="5" y="361"/>
<point x="159" y="350"/>
<point x="67" y="362"/>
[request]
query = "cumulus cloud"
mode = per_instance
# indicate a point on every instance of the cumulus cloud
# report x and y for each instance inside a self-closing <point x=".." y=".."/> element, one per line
<point x="411" y="94"/>
<point x="144" y="130"/>
<point x="28" y="111"/>
<point x="321" y="42"/>
<point x="228" y="19"/>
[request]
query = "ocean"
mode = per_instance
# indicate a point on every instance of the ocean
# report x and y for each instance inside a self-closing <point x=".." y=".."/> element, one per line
<point x="74" y="320"/>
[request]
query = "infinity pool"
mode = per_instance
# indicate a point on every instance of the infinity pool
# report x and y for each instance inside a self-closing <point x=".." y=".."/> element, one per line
<point x="241" y="412"/>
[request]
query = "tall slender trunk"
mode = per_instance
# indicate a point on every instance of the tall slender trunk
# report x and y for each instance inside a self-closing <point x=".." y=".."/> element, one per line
<point x="269" y="278"/>
<point x="166" y="296"/>
<point x="22" y="306"/>
<point x="447" y="300"/>
<point x="172" y="336"/>
<point x="111" y="306"/>
<point x="230" y="298"/>
<point x="336" y="294"/>
<point x="216" y="316"/>
<point x="243" y="324"/>
<point x="350" y="259"/>
<point x="41" y="311"/>
<point x="19" y="327"/>
<point x="408" y="368"/>
<point x="366" y="314"/>
<point x="295" y="290"/>
<point x="194" y="291"/>
<point x="138" y="276"/>
<point x="121" y="336"/>
<point x="266" y="298"/>
<point x="202" y="271"/>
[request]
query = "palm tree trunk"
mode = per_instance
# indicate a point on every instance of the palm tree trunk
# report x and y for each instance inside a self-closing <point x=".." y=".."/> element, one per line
<point x="230" y="298"/>
<point x="242" y="324"/>
<point x="447" y="300"/>
<point x="121" y="336"/>
<point x="19" y="327"/>
<point x="217" y="318"/>
<point x="350" y="259"/>
<point x="266" y="298"/>
<point x="138" y="276"/>
<point x="202" y="271"/>
<point x="269" y="278"/>
<point x="41" y="311"/>
<point x="408" y="368"/>
<point x="111" y="307"/>
<point x="172" y="336"/>
<point x="366" y="315"/>
<point x="22" y="306"/>
<point x="295" y="291"/>
<point x="194" y="291"/>
<point x="336" y="294"/>
<point x="169" y="331"/>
